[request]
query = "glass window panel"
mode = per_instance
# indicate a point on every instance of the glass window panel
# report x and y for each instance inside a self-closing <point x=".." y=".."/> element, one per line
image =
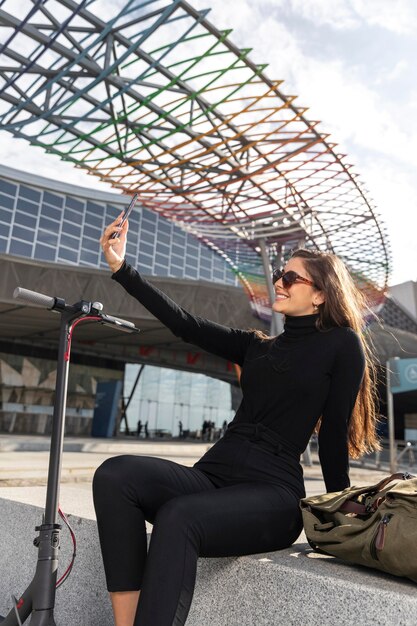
<point x="27" y="207"/>
<point x="48" y="224"/>
<point x="135" y="216"/>
<point x="133" y="228"/>
<point x="45" y="253"/>
<point x="178" y="260"/>
<point x="192" y="253"/>
<point x="25" y="220"/>
<point x="164" y="226"/>
<point x="218" y="275"/>
<point x="52" y="198"/>
<point x="131" y="249"/>
<point x="112" y="212"/>
<point x="71" y="229"/>
<point x="72" y="203"/>
<point x="146" y="248"/>
<point x="70" y="242"/>
<point x="46" y="237"/>
<point x="205" y="252"/>
<point x="191" y="260"/>
<point x="87" y="256"/>
<point x="150" y="216"/>
<point x="163" y="238"/>
<point x="7" y="187"/>
<point x="68" y="255"/>
<point x="52" y="212"/>
<point x="144" y="259"/>
<point x="6" y="216"/>
<point x="30" y="194"/>
<point x="3" y="245"/>
<point x="20" y="248"/>
<point x="179" y="234"/>
<point x="160" y="270"/>
<point x="190" y="272"/>
<point x="73" y="216"/>
<point x="148" y="226"/>
<point x="6" y="201"/>
<point x="4" y="230"/>
<point x="131" y="258"/>
<point x="176" y="249"/>
<point x="193" y="241"/>
<point x="162" y="249"/>
<point x="205" y="274"/>
<point x="145" y="236"/>
<point x="90" y="244"/>
<point x="19" y="232"/>
<point x="176" y="271"/>
<point x="95" y="209"/>
<point x="90" y="231"/>
<point x="93" y="220"/>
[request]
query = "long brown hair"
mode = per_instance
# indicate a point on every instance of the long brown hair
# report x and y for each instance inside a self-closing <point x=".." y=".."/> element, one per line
<point x="346" y="305"/>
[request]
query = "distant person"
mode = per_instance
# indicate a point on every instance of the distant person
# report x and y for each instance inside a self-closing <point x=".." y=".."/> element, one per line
<point x="180" y="429"/>
<point x="242" y="496"/>
<point x="139" y="429"/>
<point x="146" y="430"/>
<point x="224" y="427"/>
<point x="204" y="430"/>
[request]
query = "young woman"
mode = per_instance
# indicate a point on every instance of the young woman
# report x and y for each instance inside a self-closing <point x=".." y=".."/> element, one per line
<point x="242" y="496"/>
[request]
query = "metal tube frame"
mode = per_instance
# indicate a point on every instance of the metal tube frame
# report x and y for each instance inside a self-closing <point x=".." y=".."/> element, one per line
<point x="38" y="599"/>
<point x="276" y="322"/>
<point x="391" y="426"/>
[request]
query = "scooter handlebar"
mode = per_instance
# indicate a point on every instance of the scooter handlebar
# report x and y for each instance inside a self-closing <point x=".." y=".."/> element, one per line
<point x="33" y="297"/>
<point x="124" y="325"/>
<point x="26" y="295"/>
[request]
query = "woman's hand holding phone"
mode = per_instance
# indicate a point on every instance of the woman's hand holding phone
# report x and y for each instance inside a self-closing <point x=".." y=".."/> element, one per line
<point x="114" y="249"/>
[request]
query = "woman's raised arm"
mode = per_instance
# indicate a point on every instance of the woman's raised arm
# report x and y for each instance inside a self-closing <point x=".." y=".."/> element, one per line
<point x="228" y="343"/>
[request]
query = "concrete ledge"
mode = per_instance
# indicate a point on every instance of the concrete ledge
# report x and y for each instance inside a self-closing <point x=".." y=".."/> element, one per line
<point x="289" y="587"/>
<point x="171" y="448"/>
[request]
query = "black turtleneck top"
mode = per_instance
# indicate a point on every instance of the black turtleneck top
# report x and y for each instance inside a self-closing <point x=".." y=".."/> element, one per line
<point x="287" y="382"/>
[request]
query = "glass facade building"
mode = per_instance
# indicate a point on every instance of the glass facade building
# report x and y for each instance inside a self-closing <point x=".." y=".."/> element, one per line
<point x="48" y="221"/>
<point x="51" y="221"/>
<point x="164" y="397"/>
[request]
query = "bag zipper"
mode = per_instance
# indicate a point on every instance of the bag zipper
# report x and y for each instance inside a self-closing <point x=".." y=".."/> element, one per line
<point x="378" y="540"/>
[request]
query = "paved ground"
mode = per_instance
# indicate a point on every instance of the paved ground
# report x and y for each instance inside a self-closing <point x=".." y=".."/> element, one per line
<point x="24" y="466"/>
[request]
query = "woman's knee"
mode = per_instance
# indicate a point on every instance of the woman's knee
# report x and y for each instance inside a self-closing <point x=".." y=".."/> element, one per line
<point x="112" y="472"/>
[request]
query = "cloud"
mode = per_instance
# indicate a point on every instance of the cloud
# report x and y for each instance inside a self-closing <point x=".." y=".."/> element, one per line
<point x="377" y="131"/>
<point x="393" y="189"/>
<point x="18" y="154"/>
<point x="398" y="16"/>
<point x="349" y="107"/>
<point x="353" y="111"/>
<point x="338" y="14"/>
<point x="394" y="73"/>
<point x="373" y="122"/>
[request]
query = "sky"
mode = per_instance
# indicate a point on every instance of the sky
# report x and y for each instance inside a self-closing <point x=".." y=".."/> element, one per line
<point x="353" y="63"/>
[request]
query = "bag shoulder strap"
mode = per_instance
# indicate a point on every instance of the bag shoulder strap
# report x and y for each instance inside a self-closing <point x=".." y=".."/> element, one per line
<point x="399" y="476"/>
<point x="349" y="506"/>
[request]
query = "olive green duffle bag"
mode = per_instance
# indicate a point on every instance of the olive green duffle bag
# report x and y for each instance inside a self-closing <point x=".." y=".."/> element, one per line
<point x="375" y="526"/>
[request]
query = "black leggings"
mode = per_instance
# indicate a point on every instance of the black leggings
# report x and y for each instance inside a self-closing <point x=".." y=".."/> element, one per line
<point x="191" y="517"/>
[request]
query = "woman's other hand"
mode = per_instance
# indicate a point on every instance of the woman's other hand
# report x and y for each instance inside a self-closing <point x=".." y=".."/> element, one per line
<point x="115" y="249"/>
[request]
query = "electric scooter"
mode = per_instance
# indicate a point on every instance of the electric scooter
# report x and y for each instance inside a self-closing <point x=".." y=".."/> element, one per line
<point x="38" y="600"/>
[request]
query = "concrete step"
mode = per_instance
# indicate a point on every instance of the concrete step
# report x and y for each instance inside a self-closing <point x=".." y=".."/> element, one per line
<point x="172" y="448"/>
<point x="286" y="588"/>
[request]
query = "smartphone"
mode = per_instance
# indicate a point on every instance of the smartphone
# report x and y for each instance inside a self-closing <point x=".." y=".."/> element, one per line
<point x="126" y="214"/>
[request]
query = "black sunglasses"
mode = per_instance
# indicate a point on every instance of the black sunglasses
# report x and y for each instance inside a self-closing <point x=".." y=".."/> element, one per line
<point x="289" y="278"/>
